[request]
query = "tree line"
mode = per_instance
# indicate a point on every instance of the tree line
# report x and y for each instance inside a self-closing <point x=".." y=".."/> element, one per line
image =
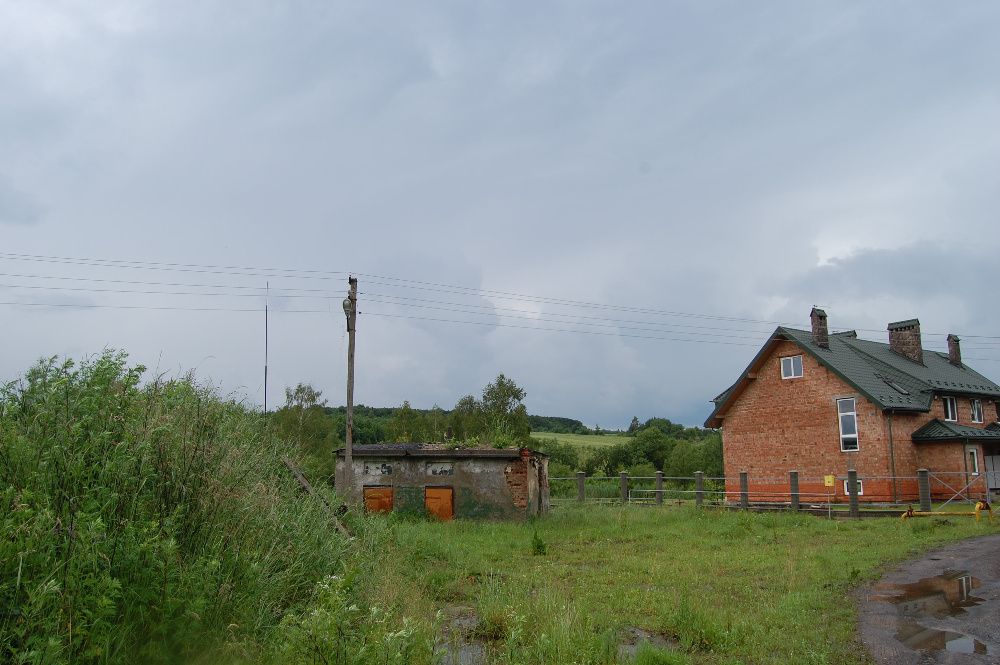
<point x="656" y="445"/>
<point x="498" y="418"/>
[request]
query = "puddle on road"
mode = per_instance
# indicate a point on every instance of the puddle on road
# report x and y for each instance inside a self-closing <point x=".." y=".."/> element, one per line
<point x="945" y="595"/>
<point x="921" y="638"/>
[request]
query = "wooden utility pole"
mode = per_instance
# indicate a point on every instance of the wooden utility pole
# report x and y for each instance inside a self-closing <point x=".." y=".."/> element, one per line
<point x="351" y="310"/>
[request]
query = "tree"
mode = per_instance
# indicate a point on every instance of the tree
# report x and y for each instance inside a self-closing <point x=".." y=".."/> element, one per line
<point x="633" y="426"/>
<point x="665" y="426"/>
<point x="653" y="445"/>
<point x="505" y="414"/>
<point x="466" y="419"/>
<point x="685" y="459"/>
<point x="437" y="423"/>
<point x="311" y="432"/>
<point x="407" y="425"/>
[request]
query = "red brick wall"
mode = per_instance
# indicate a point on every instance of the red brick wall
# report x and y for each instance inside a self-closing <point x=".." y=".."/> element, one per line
<point x="517" y="480"/>
<point x="950" y="472"/>
<point x="779" y="425"/>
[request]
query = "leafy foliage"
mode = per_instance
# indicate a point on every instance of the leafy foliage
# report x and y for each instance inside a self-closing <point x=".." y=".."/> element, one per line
<point x="660" y="445"/>
<point x="311" y="434"/>
<point x="557" y="425"/>
<point x="146" y="523"/>
<point x="499" y="418"/>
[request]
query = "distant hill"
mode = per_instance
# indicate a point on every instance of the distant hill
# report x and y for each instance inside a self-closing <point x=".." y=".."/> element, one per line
<point x="557" y="425"/>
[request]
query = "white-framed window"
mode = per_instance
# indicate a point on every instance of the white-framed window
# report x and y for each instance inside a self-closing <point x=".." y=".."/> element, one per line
<point x="791" y="367"/>
<point x="973" y="461"/>
<point x="950" y="408"/>
<point x="861" y="488"/>
<point x="977" y="410"/>
<point x="848" y="415"/>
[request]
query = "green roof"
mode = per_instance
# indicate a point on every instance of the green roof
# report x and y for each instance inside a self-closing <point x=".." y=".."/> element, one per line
<point x="891" y="381"/>
<point x="943" y="430"/>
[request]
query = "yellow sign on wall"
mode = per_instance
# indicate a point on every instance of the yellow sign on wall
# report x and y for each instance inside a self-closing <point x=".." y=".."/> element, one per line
<point x="828" y="481"/>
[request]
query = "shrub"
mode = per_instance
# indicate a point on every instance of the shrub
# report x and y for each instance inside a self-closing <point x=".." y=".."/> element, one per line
<point x="145" y="523"/>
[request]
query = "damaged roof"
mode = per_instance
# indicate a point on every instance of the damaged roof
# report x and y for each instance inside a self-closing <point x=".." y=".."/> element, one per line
<point x="432" y="450"/>
<point x="891" y="381"/>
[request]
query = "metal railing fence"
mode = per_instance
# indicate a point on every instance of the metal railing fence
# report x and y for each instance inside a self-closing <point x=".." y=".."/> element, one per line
<point x="851" y="493"/>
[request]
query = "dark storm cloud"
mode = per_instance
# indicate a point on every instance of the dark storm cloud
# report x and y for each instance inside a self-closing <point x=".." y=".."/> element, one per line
<point x="927" y="269"/>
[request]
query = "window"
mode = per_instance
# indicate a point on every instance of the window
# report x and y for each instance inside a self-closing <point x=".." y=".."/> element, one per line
<point x="950" y="408"/>
<point x="977" y="411"/>
<point x="973" y="462"/>
<point x="847" y="412"/>
<point x="861" y="488"/>
<point x="791" y="367"/>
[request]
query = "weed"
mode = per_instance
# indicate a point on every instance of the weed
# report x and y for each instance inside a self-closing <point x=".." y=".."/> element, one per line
<point x="538" y="546"/>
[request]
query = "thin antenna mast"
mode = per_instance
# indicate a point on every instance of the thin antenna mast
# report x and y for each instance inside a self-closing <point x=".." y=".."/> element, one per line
<point x="267" y="293"/>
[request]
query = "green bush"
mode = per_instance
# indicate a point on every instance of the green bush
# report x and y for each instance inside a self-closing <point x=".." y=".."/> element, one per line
<point x="145" y="523"/>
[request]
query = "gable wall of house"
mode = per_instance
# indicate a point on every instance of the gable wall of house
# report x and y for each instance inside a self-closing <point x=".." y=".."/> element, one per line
<point x="779" y="425"/>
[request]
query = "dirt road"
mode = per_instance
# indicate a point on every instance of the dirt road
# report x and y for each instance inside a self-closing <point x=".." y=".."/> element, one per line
<point x="941" y="608"/>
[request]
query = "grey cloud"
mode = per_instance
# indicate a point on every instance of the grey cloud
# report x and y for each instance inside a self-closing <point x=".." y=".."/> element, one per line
<point x="16" y="207"/>
<point x="689" y="157"/>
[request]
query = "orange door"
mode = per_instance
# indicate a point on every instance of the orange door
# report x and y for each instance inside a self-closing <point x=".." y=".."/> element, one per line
<point x="378" y="499"/>
<point x="438" y="501"/>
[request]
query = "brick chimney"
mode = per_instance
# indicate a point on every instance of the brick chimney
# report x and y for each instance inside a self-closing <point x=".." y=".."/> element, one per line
<point x="954" y="350"/>
<point x="821" y="334"/>
<point x="904" y="339"/>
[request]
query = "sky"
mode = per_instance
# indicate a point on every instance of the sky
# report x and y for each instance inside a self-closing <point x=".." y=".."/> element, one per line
<point x="612" y="203"/>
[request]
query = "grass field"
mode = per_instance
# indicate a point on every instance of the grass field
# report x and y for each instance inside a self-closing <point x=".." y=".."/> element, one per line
<point x="587" y="441"/>
<point x="720" y="587"/>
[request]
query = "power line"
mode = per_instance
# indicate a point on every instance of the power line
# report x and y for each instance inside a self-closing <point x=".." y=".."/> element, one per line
<point x="397" y="282"/>
<point x="258" y="310"/>
<point x="547" y="320"/>
<point x="398" y="301"/>
<point x="403" y="301"/>
<point x="584" y="332"/>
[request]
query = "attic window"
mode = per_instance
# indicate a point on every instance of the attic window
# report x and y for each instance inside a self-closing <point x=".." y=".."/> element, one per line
<point x="791" y="367"/>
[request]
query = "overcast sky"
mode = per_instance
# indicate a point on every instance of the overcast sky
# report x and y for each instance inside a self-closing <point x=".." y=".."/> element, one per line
<point x="736" y="161"/>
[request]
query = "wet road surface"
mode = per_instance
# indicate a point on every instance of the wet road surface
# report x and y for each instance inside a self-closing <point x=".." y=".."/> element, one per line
<point x="942" y="608"/>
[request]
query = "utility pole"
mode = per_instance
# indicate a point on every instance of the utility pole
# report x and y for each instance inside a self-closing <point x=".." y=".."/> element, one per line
<point x="351" y="311"/>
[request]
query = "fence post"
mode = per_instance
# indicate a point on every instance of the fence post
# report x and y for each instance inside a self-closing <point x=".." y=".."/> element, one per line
<point x="581" y="486"/>
<point x="852" y="489"/>
<point x="793" y="483"/>
<point x="624" y="481"/>
<point x="924" y="483"/>
<point x="744" y="490"/>
<point x="699" y="488"/>
<point x="659" y="487"/>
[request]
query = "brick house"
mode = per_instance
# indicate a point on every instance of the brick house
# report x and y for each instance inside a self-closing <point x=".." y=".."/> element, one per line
<point x="820" y="404"/>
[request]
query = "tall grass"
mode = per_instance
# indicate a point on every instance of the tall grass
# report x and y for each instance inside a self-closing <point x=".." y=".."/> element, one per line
<point x="147" y="523"/>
